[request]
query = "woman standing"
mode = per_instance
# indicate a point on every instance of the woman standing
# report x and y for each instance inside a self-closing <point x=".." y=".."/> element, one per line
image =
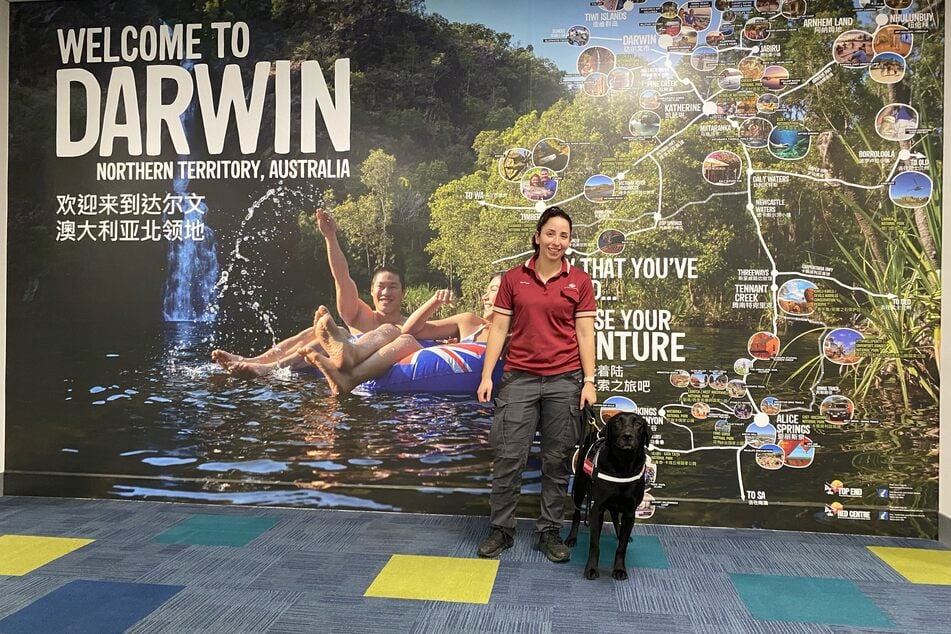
<point x="549" y="375"/>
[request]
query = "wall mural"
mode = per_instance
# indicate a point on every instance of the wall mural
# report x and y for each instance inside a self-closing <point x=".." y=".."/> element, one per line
<point x="756" y="191"/>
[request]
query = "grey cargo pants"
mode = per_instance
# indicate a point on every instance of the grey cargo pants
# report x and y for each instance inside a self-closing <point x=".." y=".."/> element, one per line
<point x="527" y="402"/>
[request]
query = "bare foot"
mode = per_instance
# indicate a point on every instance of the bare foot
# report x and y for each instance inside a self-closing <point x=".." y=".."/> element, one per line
<point x="320" y="312"/>
<point x="338" y="381"/>
<point x="225" y="359"/>
<point x="249" y="370"/>
<point x="334" y="341"/>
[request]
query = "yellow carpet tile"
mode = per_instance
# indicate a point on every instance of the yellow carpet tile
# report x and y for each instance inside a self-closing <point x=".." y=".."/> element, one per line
<point x="21" y="554"/>
<point x="435" y="579"/>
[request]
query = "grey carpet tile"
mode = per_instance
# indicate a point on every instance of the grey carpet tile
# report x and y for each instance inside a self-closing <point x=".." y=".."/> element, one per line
<point x="590" y="619"/>
<point x="847" y="564"/>
<point x="211" y="567"/>
<point x="854" y="567"/>
<point x="503" y="618"/>
<point x="347" y="614"/>
<point x="736" y="622"/>
<point x="917" y="607"/>
<point x="227" y="611"/>
<point x="677" y="592"/>
<point x="552" y="585"/>
<point x="385" y="537"/>
<point x="328" y="574"/>
<point x="104" y="561"/>
<point x="18" y="592"/>
<point x="474" y="531"/>
<point x="324" y="534"/>
<point x="840" y="629"/>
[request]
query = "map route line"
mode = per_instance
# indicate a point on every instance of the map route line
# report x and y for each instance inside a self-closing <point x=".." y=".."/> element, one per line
<point x="897" y="164"/>
<point x="750" y="207"/>
<point x="739" y="450"/>
<point x="684" y="81"/>
<point x="693" y="445"/>
<point x="679" y="405"/>
<point x="682" y="207"/>
<point x="808" y="82"/>
<point x="665" y="141"/>
<point x="739" y="472"/>
<point x="660" y="186"/>
<point x="708" y="448"/>
<point x="713" y="95"/>
<point x="676" y="92"/>
<point x="749" y="397"/>
<point x="822" y="367"/>
<point x="482" y="203"/>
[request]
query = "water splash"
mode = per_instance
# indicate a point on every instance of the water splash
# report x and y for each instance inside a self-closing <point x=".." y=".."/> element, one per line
<point x="189" y="293"/>
<point x="242" y="270"/>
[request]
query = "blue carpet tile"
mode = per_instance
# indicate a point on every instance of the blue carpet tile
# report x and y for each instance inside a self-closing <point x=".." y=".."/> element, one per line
<point x="160" y="567"/>
<point x="93" y="607"/>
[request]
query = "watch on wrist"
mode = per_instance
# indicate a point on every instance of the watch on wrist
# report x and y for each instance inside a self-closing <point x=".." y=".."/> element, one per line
<point x="589" y="379"/>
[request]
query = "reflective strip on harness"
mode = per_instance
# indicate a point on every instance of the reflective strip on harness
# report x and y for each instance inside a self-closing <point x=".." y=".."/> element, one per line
<point x="591" y="463"/>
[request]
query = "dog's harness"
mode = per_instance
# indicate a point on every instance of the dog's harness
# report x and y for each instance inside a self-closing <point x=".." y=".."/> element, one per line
<point x="590" y="465"/>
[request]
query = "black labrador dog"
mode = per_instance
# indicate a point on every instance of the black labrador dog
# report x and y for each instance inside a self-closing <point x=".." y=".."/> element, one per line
<point x="613" y="475"/>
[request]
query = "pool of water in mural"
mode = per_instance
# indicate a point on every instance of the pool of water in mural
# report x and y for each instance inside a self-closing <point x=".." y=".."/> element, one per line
<point x="159" y="421"/>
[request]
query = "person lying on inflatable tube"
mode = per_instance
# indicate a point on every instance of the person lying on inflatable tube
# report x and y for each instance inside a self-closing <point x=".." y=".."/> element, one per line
<point x="394" y="359"/>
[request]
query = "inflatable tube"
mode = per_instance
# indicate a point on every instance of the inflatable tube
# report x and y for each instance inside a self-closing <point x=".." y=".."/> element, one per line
<point x="454" y="368"/>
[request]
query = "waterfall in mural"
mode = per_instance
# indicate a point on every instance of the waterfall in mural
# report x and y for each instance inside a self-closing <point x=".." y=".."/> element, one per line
<point x="189" y="293"/>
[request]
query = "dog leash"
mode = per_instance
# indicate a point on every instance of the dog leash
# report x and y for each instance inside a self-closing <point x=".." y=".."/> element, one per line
<point x="588" y="424"/>
<point x="589" y="421"/>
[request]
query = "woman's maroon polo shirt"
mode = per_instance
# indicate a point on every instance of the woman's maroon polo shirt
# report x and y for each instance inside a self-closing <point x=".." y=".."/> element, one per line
<point x="543" y="317"/>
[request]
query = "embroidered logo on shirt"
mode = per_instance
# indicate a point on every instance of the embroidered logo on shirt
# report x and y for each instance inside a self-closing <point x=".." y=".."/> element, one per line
<point x="572" y="285"/>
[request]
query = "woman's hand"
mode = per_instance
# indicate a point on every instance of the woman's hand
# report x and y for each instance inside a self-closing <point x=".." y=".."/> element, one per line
<point x="442" y="297"/>
<point x="588" y="395"/>
<point x="485" y="390"/>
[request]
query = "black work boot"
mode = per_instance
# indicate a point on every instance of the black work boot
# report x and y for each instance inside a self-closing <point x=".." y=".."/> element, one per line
<point x="550" y="543"/>
<point x="495" y="543"/>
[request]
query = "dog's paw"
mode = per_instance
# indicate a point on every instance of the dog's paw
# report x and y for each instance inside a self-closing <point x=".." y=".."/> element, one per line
<point x="619" y="574"/>
<point x="570" y="541"/>
<point x="591" y="573"/>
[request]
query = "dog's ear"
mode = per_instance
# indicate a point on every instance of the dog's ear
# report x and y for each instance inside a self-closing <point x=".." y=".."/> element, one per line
<point x="647" y="434"/>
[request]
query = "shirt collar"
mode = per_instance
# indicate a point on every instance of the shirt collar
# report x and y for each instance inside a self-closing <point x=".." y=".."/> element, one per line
<point x="530" y="265"/>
